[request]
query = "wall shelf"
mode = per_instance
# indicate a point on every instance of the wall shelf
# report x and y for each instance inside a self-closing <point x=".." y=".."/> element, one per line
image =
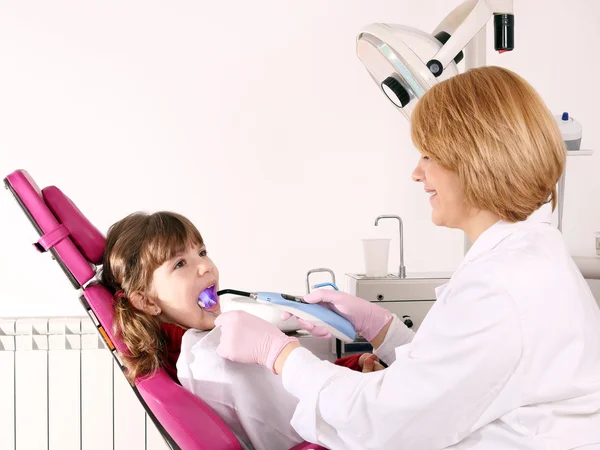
<point x="580" y="152"/>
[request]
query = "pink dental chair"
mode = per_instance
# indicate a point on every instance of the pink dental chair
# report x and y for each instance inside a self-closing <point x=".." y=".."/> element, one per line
<point x="184" y="420"/>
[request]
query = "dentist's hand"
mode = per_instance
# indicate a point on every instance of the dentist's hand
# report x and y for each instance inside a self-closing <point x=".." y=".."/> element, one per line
<point x="368" y="318"/>
<point x="249" y="339"/>
<point x="368" y="362"/>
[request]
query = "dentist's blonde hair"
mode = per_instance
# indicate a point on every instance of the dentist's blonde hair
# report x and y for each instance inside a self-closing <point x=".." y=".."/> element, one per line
<point x="489" y="126"/>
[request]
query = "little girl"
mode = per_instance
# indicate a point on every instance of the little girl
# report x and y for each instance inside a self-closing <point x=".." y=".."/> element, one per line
<point x="157" y="265"/>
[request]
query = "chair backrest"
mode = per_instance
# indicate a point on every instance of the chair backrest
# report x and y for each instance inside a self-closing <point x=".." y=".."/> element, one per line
<point x="184" y="420"/>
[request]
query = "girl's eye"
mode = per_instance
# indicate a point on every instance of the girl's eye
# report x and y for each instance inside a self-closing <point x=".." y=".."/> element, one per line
<point x="203" y="253"/>
<point x="180" y="264"/>
<point x="425" y="158"/>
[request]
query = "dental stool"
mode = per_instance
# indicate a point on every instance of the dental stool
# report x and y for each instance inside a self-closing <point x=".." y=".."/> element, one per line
<point x="184" y="420"/>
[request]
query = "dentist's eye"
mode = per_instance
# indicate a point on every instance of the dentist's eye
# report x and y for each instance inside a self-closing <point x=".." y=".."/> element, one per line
<point x="203" y="253"/>
<point x="180" y="264"/>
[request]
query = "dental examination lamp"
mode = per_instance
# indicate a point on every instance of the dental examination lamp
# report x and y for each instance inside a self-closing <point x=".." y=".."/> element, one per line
<point x="405" y="62"/>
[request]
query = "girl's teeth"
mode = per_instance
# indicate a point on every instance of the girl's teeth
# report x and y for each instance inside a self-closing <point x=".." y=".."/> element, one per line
<point x="207" y="298"/>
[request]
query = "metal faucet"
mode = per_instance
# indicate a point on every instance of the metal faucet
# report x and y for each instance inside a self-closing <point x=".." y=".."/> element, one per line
<point x="315" y="271"/>
<point x="402" y="269"/>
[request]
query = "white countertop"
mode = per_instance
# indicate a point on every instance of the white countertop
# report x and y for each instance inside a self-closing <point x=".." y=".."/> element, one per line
<point x="589" y="266"/>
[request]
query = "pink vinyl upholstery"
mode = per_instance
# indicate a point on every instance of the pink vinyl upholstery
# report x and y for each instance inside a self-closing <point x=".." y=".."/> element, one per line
<point x="183" y="419"/>
<point x="31" y="200"/>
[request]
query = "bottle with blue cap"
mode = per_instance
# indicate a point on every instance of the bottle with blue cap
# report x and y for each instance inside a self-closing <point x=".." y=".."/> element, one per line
<point x="570" y="130"/>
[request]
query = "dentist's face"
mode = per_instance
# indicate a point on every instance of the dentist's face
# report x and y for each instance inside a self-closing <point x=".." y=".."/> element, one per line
<point x="448" y="203"/>
<point x="178" y="282"/>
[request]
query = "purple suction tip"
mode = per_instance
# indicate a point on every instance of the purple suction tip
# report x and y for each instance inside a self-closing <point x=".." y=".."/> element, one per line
<point x="208" y="297"/>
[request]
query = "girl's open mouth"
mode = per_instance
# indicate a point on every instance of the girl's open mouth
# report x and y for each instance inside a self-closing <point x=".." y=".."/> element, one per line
<point x="208" y="298"/>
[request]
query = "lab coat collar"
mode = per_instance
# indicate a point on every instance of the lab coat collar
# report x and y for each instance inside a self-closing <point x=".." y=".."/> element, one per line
<point x="495" y="234"/>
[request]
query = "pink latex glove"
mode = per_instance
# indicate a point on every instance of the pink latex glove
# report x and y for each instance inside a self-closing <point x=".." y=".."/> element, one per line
<point x="249" y="339"/>
<point x="368" y="318"/>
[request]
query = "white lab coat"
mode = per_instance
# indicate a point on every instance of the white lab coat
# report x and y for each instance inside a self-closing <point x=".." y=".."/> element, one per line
<point x="250" y="399"/>
<point x="507" y="358"/>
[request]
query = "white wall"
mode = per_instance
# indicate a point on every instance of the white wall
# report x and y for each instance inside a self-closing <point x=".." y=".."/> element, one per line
<point x="257" y="121"/>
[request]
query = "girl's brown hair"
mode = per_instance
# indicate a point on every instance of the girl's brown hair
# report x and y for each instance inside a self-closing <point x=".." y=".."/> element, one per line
<point x="489" y="126"/>
<point x="135" y="247"/>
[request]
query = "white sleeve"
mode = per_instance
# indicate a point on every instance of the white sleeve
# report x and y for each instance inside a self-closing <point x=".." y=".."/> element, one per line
<point x="398" y="334"/>
<point x="438" y="390"/>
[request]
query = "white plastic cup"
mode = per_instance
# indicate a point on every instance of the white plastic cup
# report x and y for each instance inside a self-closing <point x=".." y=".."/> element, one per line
<point x="377" y="253"/>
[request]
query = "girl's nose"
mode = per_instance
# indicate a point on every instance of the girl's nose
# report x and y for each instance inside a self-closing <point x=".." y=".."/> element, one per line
<point x="203" y="268"/>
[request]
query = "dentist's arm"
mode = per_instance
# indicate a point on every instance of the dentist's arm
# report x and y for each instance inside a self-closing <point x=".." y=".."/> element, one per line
<point x="441" y="388"/>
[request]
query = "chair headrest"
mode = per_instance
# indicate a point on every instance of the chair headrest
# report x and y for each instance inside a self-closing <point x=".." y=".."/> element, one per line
<point x="59" y="228"/>
<point x="88" y="239"/>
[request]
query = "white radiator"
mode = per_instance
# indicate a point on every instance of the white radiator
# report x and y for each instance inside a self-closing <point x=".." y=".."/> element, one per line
<point x="60" y="389"/>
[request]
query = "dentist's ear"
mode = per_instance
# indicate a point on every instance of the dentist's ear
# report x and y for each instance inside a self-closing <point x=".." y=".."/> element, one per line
<point x="144" y="303"/>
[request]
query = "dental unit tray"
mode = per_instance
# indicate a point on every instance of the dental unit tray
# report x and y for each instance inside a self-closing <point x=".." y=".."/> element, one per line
<point x="318" y="315"/>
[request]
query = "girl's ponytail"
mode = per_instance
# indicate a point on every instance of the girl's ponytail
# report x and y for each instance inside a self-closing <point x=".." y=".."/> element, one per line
<point x="143" y="337"/>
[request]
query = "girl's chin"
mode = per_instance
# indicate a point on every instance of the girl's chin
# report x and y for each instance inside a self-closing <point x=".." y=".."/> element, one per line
<point x="212" y="314"/>
<point x="207" y="322"/>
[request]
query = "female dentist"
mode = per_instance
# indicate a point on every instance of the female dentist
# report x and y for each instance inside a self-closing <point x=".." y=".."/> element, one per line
<point x="509" y="355"/>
